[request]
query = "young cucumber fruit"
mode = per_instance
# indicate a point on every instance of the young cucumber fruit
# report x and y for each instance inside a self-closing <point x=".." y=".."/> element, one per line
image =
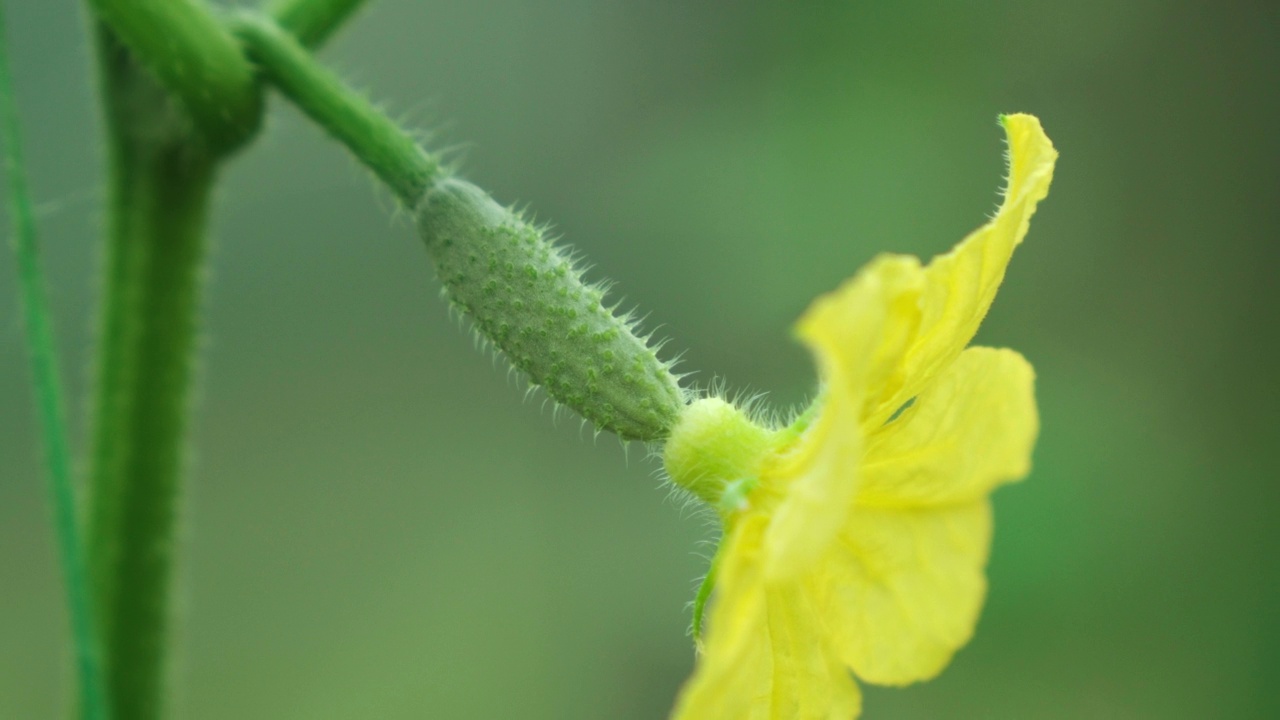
<point x="526" y="296"/>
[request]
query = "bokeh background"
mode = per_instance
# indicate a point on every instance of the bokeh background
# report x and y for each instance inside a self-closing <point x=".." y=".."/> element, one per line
<point x="379" y="527"/>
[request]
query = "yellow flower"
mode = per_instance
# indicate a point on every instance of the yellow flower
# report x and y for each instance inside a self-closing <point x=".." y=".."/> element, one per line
<point x="857" y="538"/>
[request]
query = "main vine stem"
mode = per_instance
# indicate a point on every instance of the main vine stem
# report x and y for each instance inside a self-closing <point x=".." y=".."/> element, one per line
<point x="164" y="151"/>
<point x="160" y="179"/>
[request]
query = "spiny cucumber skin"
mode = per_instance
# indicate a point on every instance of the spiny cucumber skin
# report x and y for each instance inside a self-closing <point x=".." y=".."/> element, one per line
<point x="525" y="295"/>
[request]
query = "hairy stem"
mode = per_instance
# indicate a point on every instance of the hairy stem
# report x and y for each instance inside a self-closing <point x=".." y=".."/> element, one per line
<point x="312" y="21"/>
<point x="162" y="163"/>
<point x="38" y="321"/>
<point x="381" y="144"/>
<point x="161" y="176"/>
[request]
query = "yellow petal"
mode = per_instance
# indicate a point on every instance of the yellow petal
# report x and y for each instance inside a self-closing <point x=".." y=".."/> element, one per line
<point x="857" y="335"/>
<point x="901" y="591"/>
<point x="766" y="657"/>
<point x="882" y="338"/>
<point x="809" y="681"/>
<point x="860" y="333"/>
<point x="962" y="283"/>
<point x="970" y="431"/>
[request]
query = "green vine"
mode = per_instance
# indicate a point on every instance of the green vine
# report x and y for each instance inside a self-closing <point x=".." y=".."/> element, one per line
<point x="160" y="179"/>
<point x="174" y="110"/>
<point x="194" y="57"/>
<point x="382" y="145"/>
<point x="311" y="22"/>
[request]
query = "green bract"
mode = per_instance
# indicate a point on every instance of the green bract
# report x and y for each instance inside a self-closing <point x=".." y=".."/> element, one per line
<point x="526" y="296"/>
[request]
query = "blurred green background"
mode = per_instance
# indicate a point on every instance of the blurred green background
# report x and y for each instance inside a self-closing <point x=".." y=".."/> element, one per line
<point x="378" y="527"/>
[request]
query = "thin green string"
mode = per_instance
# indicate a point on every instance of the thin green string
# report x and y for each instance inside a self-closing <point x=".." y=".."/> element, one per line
<point x="44" y="370"/>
